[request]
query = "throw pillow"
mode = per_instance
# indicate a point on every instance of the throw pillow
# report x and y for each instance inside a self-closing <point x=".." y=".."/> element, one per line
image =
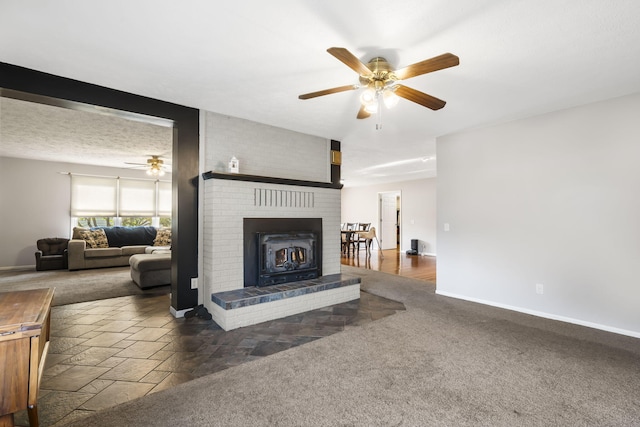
<point x="95" y="238"/>
<point x="163" y="237"/>
<point x="77" y="231"/>
<point x="119" y="236"/>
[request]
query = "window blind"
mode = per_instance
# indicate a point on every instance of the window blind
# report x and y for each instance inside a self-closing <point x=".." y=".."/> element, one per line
<point x="164" y="198"/>
<point x="137" y="198"/>
<point x="96" y="196"/>
<point x="93" y="196"/>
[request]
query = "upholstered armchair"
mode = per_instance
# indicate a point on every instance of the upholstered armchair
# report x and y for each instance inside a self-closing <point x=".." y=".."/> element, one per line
<point x="51" y="253"/>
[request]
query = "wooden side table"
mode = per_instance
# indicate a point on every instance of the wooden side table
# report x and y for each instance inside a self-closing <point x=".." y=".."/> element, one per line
<point x="25" y="319"/>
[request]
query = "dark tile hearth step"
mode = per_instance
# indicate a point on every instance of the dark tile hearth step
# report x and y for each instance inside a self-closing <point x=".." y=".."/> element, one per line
<point x="253" y="295"/>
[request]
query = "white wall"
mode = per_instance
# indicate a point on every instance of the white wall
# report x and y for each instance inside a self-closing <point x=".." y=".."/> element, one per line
<point x="35" y="202"/>
<point x="417" y="212"/>
<point x="551" y="200"/>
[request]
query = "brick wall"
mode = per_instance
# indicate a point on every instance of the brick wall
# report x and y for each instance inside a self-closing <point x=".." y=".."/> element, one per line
<point x="226" y="203"/>
<point x="263" y="151"/>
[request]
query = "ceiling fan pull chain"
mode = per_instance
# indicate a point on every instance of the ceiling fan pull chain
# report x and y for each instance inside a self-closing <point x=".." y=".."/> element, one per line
<point x="379" y="124"/>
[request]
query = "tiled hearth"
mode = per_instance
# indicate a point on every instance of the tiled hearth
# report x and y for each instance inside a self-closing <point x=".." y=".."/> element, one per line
<point x="251" y="305"/>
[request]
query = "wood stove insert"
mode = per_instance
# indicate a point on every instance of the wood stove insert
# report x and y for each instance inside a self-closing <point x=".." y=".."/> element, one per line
<point x="281" y="250"/>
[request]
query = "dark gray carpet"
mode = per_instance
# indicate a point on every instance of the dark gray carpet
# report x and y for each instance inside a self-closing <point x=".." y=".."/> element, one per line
<point x="443" y="362"/>
<point x="77" y="286"/>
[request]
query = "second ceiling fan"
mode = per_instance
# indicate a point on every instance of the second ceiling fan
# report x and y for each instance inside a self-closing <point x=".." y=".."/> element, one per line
<point x="154" y="166"/>
<point x="381" y="81"/>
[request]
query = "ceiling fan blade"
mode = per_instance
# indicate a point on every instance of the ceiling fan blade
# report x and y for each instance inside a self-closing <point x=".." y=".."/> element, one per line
<point x="445" y="60"/>
<point x="349" y="60"/>
<point x="328" y="91"/>
<point x="362" y="113"/>
<point x="419" y="97"/>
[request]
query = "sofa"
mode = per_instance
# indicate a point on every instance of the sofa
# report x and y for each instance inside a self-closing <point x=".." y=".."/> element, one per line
<point x="113" y="246"/>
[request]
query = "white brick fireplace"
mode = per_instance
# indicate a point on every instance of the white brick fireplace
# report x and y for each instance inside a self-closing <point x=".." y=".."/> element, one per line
<point x="264" y="152"/>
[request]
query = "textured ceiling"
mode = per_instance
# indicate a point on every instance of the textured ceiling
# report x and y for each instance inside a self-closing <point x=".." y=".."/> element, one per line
<point x="251" y="59"/>
<point x="45" y="132"/>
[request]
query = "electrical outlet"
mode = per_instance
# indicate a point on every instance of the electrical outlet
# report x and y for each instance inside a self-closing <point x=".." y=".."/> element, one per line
<point x="539" y="288"/>
<point x="194" y="283"/>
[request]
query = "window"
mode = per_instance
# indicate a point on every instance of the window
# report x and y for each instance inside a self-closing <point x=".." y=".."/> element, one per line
<point x="96" y="221"/>
<point x="133" y="221"/>
<point x="108" y="201"/>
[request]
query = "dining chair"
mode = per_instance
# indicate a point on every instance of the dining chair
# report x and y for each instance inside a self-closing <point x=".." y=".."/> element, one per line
<point x="349" y="238"/>
<point x="369" y="237"/>
<point x="362" y="226"/>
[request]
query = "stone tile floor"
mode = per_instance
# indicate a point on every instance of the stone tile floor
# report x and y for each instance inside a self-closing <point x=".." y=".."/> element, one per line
<point x="107" y="352"/>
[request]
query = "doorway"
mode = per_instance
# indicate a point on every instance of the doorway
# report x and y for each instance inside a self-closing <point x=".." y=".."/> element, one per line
<point x="184" y="264"/>
<point x="389" y="204"/>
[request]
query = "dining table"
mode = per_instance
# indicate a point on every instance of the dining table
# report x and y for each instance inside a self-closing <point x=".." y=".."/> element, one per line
<point x="349" y="241"/>
<point x="352" y="236"/>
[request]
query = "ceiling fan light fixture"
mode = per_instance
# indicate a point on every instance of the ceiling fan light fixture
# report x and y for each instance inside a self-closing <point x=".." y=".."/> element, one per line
<point x="155" y="166"/>
<point x="389" y="97"/>
<point x="155" y="170"/>
<point x="368" y="96"/>
<point x="372" y="107"/>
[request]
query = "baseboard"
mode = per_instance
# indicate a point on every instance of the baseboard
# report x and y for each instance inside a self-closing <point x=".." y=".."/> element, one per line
<point x="427" y="254"/>
<point x="19" y="267"/>
<point x="545" y="315"/>
<point x="178" y="313"/>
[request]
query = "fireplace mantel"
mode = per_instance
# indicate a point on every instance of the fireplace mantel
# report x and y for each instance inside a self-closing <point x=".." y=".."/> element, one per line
<point x="269" y="180"/>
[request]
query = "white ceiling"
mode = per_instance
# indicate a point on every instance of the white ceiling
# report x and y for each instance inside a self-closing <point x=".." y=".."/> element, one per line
<point x="252" y="58"/>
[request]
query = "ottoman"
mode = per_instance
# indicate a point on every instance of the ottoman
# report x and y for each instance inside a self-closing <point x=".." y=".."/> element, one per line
<point x="148" y="270"/>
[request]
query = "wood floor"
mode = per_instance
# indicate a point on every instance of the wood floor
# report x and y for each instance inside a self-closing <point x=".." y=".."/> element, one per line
<point x="395" y="262"/>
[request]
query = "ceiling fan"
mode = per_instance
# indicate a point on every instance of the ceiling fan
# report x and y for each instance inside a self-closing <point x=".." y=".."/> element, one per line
<point x="154" y="166"/>
<point x="381" y="81"/>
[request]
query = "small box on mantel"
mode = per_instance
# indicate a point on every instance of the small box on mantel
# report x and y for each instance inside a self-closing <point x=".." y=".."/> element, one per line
<point x="234" y="165"/>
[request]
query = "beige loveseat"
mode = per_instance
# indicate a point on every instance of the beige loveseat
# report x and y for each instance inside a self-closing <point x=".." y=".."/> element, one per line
<point x="113" y="246"/>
